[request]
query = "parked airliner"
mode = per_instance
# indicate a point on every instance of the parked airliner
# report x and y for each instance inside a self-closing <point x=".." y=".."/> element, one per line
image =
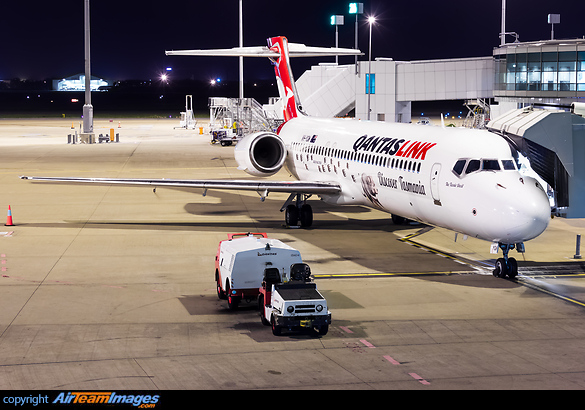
<point x="461" y="179"/>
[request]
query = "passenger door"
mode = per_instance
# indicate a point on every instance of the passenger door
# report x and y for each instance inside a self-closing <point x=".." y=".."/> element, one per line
<point x="435" y="174"/>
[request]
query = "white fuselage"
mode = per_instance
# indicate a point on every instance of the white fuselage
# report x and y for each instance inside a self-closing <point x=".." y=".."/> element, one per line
<point x="410" y="170"/>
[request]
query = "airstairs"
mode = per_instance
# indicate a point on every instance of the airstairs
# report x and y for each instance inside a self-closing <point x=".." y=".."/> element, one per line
<point x="188" y="120"/>
<point x="242" y="116"/>
<point x="478" y="115"/>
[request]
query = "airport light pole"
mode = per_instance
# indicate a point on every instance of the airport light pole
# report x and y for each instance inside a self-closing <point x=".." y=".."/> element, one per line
<point x="87" y="108"/>
<point x="357" y="9"/>
<point x="552" y="20"/>
<point x="241" y="45"/>
<point x="371" y="21"/>
<point x="337" y="20"/>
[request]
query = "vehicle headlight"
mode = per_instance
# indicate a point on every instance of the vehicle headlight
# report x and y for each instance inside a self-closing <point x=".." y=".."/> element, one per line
<point x="319" y="308"/>
<point x="290" y="309"/>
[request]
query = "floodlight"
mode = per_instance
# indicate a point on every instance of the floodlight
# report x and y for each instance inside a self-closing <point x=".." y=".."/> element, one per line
<point x="356" y="8"/>
<point x="337" y="20"/>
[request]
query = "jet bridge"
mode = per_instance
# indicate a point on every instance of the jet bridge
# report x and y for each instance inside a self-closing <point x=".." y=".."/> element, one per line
<point x="554" y="143"/>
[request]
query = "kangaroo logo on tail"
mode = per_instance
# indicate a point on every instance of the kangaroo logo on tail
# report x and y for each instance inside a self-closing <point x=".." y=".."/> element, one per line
<point x="284" y="77"/>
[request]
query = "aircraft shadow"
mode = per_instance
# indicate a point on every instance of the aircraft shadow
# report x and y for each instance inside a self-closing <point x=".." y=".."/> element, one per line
<point x="343" y="231"/>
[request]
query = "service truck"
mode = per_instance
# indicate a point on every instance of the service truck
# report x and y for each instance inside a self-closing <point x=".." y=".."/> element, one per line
<point x="240" y="263"/>
<point x="293" y="302"/>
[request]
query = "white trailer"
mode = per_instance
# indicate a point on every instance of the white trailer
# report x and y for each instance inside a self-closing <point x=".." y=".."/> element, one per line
<point x="240" y="263"/>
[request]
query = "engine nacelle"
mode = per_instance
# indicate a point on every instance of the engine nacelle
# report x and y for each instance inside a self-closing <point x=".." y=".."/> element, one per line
<point x="261" y="154"/>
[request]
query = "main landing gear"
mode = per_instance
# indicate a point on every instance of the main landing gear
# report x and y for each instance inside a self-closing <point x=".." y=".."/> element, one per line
<point x="297" y="212"/>
<point x="507" y="267"/>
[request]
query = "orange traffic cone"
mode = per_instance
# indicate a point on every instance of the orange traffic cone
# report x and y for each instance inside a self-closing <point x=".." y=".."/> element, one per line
<point x="9" y="217"/>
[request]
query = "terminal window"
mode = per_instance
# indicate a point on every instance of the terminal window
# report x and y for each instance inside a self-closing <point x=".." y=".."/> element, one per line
<point x="541" y="71"/>
<point x="371" y="86"/>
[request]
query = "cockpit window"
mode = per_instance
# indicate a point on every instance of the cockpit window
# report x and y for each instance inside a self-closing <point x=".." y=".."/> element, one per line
<point x="458" y="167"/>
<point x="472" y="166"/>
<point x="508" y="164"/>
<point x="490" y="165"/>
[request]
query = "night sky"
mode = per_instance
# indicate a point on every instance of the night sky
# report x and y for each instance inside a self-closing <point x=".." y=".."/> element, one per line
<point x="45" y="39"/>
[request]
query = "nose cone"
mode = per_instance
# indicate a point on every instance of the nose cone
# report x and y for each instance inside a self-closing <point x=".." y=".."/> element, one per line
<point x="527" y="211"/>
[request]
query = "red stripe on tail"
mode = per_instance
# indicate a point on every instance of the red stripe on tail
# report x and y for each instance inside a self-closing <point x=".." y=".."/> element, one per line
<point x="284" y="77"/>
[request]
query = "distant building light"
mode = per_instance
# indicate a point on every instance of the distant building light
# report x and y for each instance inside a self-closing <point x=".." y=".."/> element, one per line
<point x="78" y="84"/>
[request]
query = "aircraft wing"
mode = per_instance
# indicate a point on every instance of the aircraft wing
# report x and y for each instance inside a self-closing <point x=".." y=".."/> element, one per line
<point x="295" y="50"/>
<point x="262" y="187"/>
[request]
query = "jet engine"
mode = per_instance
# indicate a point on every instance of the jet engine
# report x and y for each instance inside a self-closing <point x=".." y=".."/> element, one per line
<point x="260" y="154"/>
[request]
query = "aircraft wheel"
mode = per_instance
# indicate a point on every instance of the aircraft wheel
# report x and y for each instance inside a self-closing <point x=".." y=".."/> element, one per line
<point x="291" y="215"/>
<point x="501" y="270"/>
<point x="512" y="268"/>
<point x="306" y="216"/>
<point x="398" y="220"/>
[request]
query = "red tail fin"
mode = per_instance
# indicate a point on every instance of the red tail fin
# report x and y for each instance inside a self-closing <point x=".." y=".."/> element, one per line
<point x="284" y="77"/>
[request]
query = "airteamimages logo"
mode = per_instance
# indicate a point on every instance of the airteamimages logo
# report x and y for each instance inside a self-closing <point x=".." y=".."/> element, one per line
<point x="77" y="399"/>
<point x="142" y="401"/>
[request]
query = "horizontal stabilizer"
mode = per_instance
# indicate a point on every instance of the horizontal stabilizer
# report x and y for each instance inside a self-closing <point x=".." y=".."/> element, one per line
<point x="295" y="50"/>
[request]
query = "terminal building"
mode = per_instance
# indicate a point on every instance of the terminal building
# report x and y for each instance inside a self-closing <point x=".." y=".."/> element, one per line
<point x="77" y="83"/>
<point x="548" y="72"/>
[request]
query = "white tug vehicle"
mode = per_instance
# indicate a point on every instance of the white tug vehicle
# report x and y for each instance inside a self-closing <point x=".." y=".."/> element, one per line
<point x="294" y="304"/>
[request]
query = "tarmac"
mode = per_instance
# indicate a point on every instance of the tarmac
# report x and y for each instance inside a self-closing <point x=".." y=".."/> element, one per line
<point x="109" y="287"/>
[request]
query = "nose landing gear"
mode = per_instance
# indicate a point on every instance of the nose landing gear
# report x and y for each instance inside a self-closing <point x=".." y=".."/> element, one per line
<point x="507" y="267"/>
